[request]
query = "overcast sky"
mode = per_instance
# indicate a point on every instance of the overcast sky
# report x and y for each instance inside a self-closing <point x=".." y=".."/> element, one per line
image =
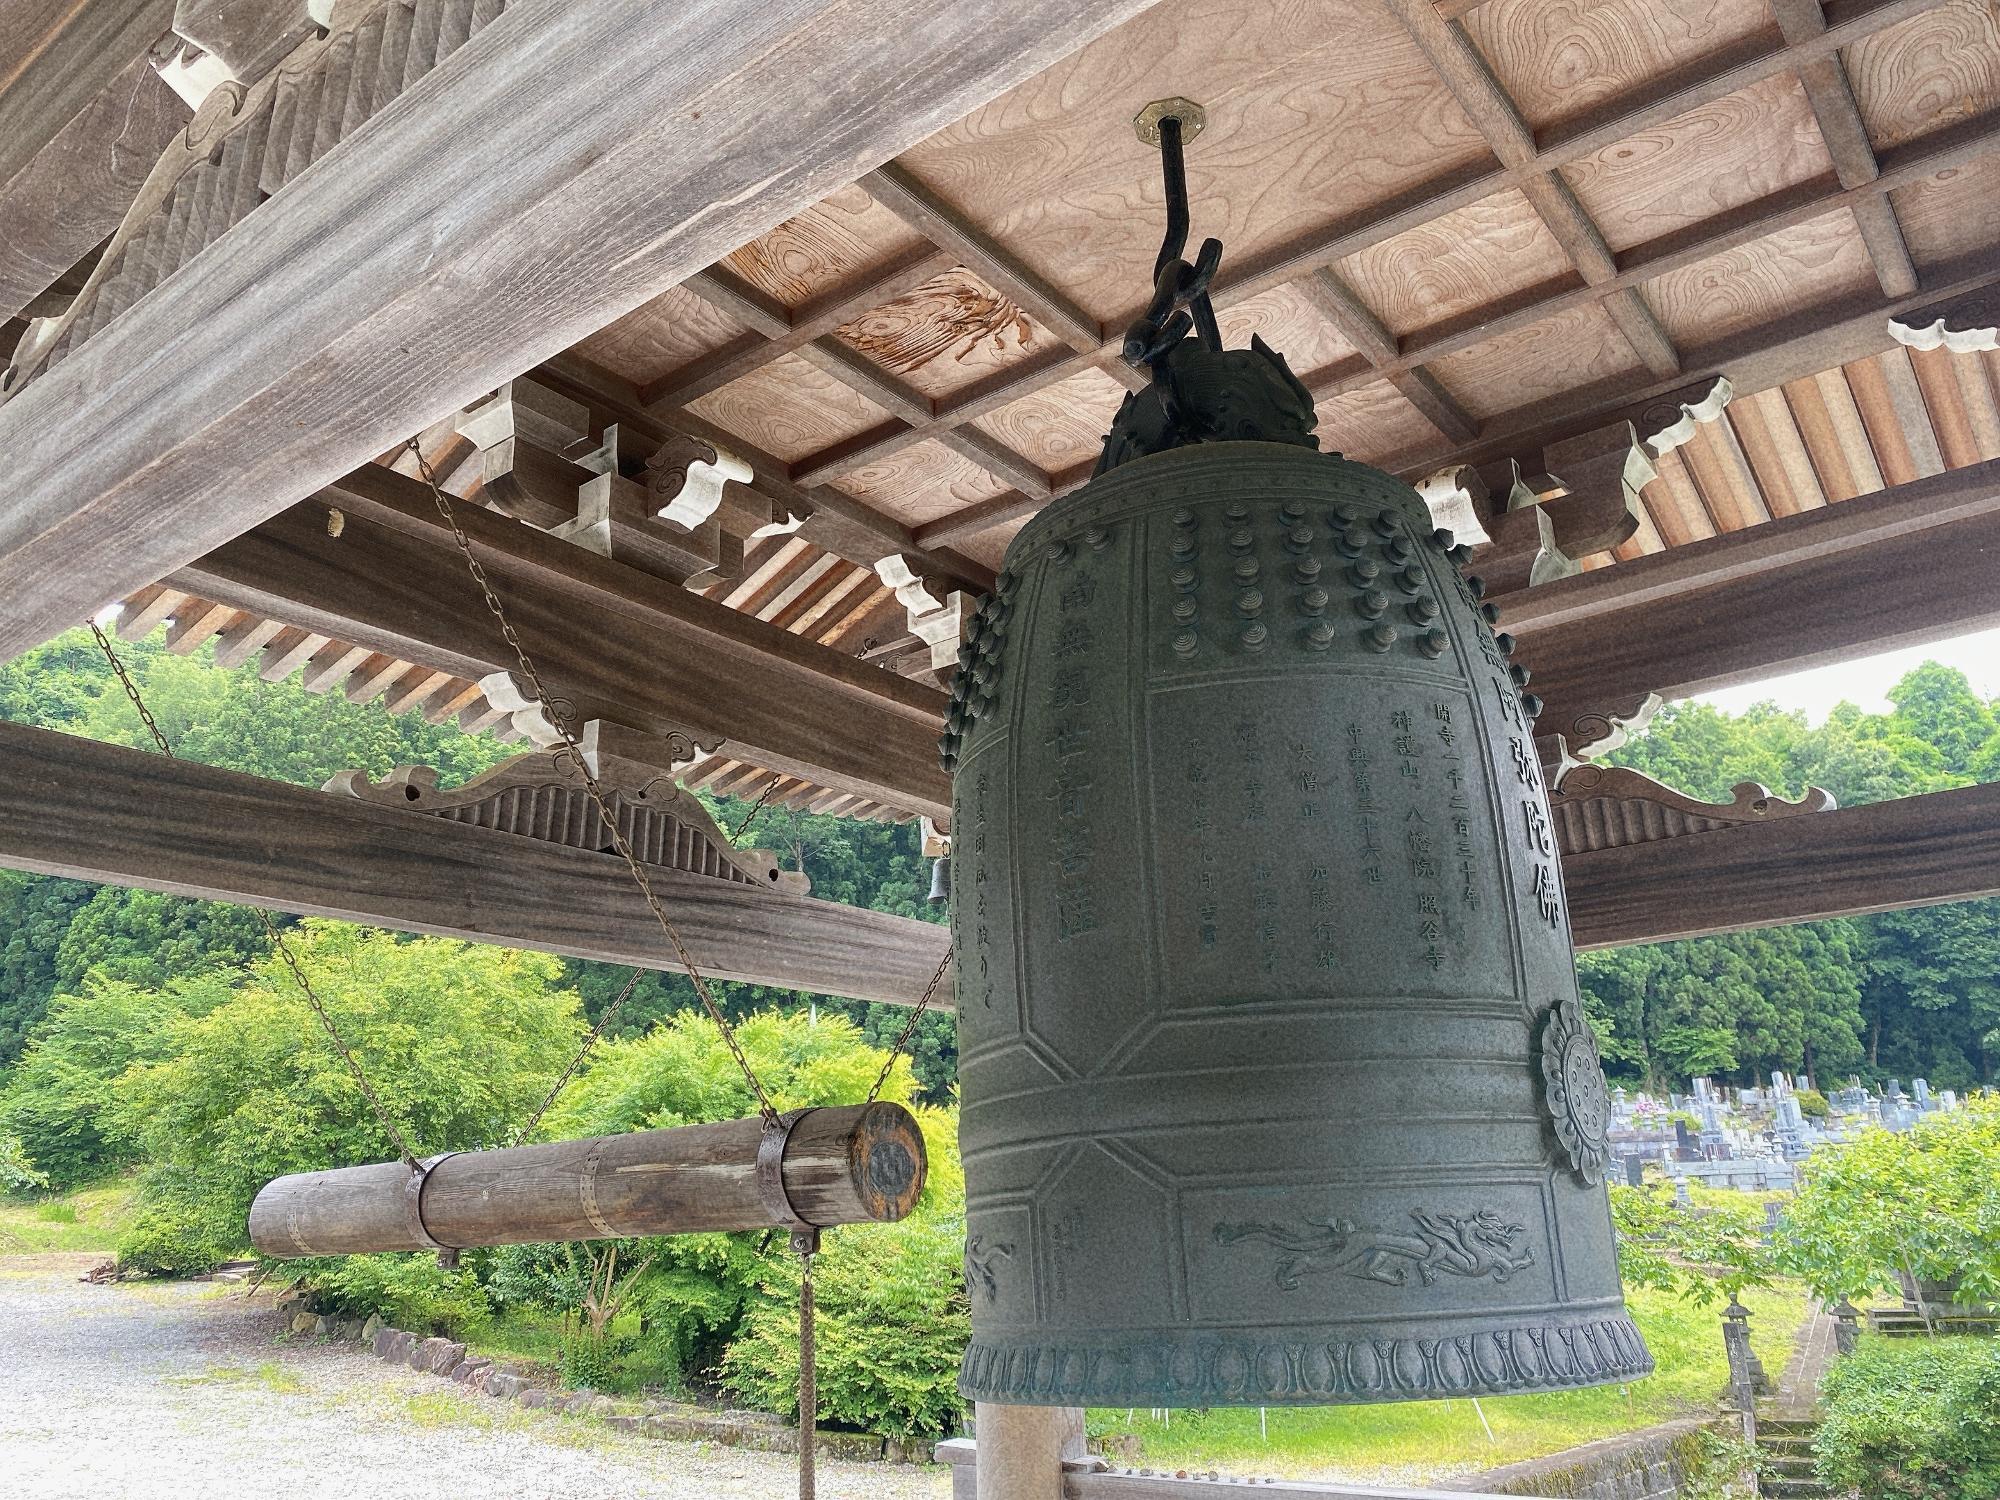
<point x="1867" y="681"/>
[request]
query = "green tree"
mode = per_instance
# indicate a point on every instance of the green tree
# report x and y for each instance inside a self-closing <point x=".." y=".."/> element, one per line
<point x="62" y="1101"/>
<point x="460" y="1041"/>
<point x="1924" y="1203"/>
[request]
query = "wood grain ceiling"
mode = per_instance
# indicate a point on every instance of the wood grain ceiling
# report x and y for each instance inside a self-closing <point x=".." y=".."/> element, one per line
<point x="1449" y="218"/>
<point x="1472" y="227"/>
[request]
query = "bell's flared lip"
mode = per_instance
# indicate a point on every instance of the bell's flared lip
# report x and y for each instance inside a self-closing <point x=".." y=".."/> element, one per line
<point x="1286" y="1368"/>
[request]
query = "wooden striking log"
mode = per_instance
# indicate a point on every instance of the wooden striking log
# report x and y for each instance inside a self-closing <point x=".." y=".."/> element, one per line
<point x="847" y="1165"/>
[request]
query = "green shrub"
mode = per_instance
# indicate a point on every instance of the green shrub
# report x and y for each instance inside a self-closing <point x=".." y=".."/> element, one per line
<point x="412" y="1292"/>
<point x="1922" y="1201"/>
<point x="1913" y="1417"/>
<point x="17" y="1173"/>
<point x="893" y="1316"/>
<point x="1813" y="1105"/>
<point x="177" y="1233"/>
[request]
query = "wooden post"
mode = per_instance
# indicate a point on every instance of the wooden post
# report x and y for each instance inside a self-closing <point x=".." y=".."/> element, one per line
<point x="844" y="1165"/>
<point x="1020" y="1449"/>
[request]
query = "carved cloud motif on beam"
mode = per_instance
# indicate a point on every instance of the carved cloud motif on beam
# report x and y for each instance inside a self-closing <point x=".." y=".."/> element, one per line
<point x="1610" y="807"/>
<point x="540" y="796"/>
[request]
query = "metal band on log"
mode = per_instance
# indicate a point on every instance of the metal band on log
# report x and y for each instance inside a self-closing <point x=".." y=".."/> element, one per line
<point x="846" y="1165"/>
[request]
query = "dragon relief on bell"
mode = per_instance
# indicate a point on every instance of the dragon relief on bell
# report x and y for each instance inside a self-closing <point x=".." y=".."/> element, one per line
<point x="1573" y="1081"/>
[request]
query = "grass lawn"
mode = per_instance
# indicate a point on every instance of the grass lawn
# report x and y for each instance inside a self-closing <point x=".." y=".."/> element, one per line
<point x="90" y="1218"/>
<point x="1418" y="1441"/>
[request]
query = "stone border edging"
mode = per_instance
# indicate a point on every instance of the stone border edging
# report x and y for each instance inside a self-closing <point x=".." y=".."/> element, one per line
<point x="453" y="1361"/>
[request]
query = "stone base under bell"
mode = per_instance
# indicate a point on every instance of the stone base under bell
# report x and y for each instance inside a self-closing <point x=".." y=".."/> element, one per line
<point x="1287" y="1367"/>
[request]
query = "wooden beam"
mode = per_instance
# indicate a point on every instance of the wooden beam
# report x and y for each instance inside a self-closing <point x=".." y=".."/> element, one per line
<point x="72" y="194"/>
<point x="89" y="811"/>
<point x="56" y="56"/>
<point x="1901" y="567"/>
<point x="361" y="303"/>
<point x="1790" y="348"/>
<point x="1916" y="851"/>
<point x="625" y="646"/>
<point x="1840" y="126"/>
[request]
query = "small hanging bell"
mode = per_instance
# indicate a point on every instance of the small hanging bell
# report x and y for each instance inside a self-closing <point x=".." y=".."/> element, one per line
<point x="940" y="880"/>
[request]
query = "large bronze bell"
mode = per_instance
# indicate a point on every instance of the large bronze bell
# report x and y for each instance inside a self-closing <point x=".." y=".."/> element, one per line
<point x="1276" y="1084"/>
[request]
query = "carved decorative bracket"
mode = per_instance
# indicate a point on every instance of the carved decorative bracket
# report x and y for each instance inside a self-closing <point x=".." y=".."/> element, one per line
<point x="1569" y="740"/>
<point x="1609" y="807"/>
<point x="232" y="41"/>
<point x="1669" y="422"/>
<point x="938" y="623"/>
<point x="1454" y="496"/>
<point x="541" y="796"/>
<point x="1964" y="325"/>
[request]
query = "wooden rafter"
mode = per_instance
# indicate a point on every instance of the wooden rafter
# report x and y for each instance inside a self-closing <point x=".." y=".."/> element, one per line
<point x="1905" y="566"/>
<point x="619" y="644"/>
<point x="624" y="197"/>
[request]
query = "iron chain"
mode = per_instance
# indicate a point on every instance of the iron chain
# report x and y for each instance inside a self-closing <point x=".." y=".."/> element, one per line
<point x="282" y="948"/>
<point x="559" y="722"/>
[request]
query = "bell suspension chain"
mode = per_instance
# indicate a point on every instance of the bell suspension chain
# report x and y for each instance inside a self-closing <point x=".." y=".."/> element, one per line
<point x="271" y="930"/>
<point x="558" y="720"/>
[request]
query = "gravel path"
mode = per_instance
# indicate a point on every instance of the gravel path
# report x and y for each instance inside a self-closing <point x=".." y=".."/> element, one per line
<point x="184" y="1390"/>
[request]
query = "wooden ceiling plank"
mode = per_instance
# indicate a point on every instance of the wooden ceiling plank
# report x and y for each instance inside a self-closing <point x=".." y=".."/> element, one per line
<point x="1465" y="72"/>
<point x="1944" y="401"/>
<point x="828" y="573"/>
<point x="755" y="349"/>
<point x="1677" y="503"/>
<point x="868" y="604"/>
<point x="1880" y="420"/>
<point x="1777" y="454"/>
<point x="807" y="623"/>
<point x="1831" y="95"/>
<point x="783" y="555"/>
<point x="1913" y="418"/>
<point x="1674" y="94"/>
<point x="944" y="226"/>
<point x="804" y="579"/>
<point x="1822" y="442"/>
<point x="627" y="197"/>
<point x="108" y="813"/>
<point x="1977" y="392"/>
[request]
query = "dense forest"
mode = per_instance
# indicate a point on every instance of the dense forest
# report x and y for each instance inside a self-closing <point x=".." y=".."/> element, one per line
<point x="1900" y="994"/>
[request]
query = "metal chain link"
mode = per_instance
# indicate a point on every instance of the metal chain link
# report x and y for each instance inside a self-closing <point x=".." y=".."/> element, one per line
<point x="271" y="930"/>
<point x="755" y="808"/>
<point x="603" y="1024"/>
<point x="559" y="722"/>
<point x="910" y="1027"/>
